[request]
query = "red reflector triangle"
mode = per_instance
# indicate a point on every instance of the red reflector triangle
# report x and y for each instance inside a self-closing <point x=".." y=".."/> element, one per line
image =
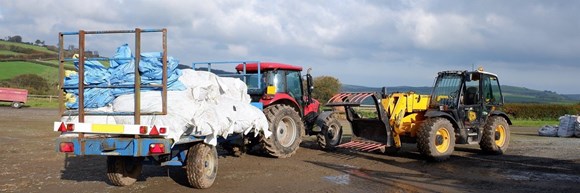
<point x="62" y="127"/>
<point x="154" y="131"/>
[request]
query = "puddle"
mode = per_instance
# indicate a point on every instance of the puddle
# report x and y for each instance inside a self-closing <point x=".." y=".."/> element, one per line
<point x="345" y="178"/>
<point x="533" y="176"/>
<point x="340" y="179"/>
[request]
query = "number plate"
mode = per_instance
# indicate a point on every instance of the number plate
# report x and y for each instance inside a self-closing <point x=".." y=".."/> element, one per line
<point x="106" y="128"/>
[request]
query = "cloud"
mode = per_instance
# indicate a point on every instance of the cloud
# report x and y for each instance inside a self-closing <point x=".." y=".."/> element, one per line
<point x="371" y="43"/>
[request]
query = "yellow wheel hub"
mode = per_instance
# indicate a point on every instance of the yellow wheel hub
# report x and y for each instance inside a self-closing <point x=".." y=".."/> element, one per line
<point x="500" y="135"/>
<point x="442" y="140"/>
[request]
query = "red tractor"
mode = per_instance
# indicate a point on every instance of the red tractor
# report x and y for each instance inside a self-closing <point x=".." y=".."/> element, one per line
<point x="292" y="113"/>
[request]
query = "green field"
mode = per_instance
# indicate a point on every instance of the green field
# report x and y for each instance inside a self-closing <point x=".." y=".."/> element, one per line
<point x="10" y="70"/>
<point x="33" y="47"/>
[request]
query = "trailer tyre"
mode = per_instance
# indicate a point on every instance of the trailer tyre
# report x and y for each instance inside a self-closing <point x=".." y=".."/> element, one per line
<point x="436" y="139"/>
<point x="496" y="136"/>
<point x="286" y="127"/>
<point x="202" y="165"/>
<point x="331" y="134"/>
<point x="17" y="105"/>
<point x="124" y="170"/>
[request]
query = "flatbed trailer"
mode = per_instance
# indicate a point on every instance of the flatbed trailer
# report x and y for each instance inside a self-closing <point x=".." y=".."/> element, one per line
<point x="128" y="146"/>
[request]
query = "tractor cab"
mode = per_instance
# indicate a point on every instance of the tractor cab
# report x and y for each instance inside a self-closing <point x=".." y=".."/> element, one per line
<point x="270" y="82"/>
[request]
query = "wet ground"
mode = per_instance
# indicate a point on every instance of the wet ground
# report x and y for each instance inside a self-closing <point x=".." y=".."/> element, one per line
<point x="29" y="163"/>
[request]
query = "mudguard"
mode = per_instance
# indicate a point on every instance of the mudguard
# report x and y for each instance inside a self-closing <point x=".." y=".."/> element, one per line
<point x="502" y="114"/>
<point x="320" y="120"/>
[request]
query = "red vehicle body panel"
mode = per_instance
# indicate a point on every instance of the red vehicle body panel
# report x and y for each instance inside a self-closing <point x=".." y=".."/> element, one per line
<point x="312" y="107"/>
<point x="13" y="95"/>
<point x="253" y="67"/>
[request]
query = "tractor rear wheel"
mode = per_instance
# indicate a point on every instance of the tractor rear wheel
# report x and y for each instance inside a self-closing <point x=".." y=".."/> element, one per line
<point x="496" y="136"/>
<point x="202" y="165"/>
<point x="436" y="139"/>
<point x="124" y="170"/>
<point x="331" y="134"/>
<point x="286" y="127"/>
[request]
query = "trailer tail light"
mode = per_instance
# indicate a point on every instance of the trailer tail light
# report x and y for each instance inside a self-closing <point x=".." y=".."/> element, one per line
<point x="162" y="130"/>
<point x="154" y="131"/>
<point x="143" y="130"/>
<point x="67" y="147"/>
<point x="70" y="126"/>
<point x="156" y="148"/>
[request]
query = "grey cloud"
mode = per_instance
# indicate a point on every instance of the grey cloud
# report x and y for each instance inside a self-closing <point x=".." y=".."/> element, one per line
<point x="361" y="42"/>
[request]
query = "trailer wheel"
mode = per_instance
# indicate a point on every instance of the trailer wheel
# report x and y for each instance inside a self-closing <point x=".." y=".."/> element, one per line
<point x="17" y="105"/>
<point x="287" y="129"/>
<point x="202" y="165"/>
<point x="436" y="139"/>
<point x="496" y="136"/>
<point x="331" y="134"/>
<point x="124" y="170"/>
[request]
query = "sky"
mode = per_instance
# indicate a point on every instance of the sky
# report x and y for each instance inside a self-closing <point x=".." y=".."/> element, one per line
<point x="528" y="43"/>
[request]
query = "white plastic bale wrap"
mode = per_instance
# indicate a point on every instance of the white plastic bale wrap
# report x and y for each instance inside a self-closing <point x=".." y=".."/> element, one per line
<point x="566" y="127"/>
<point x="211" y="106"/>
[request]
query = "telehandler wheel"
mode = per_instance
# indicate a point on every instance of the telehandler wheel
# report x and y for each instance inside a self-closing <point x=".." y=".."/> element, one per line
<point x="124" y="170"/>
<point x="331" y="134"/>
<point x="286" y="127"/>
<point x="496" y="136"/>
<point x="436" y="139"/>
<point x="202" y="165"/>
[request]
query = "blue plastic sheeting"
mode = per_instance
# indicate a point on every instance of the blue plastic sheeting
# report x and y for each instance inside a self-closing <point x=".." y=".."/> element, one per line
<point x="122" y="72"/>
<point x="95" y="73"/>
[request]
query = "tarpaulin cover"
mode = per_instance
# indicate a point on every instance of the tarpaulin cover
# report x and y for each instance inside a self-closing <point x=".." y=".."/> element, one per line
<point x="121" y="72"/>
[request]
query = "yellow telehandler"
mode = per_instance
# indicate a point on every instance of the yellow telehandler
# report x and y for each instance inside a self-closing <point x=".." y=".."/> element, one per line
<point x="463" y="108"/>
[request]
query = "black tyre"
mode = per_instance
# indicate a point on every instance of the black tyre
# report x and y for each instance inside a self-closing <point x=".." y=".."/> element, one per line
<point x="286" y="127"/>
<point x="436" y="139"/>
<point x="17" y="105"/>
<point x="391" y="150"/>
<point x="331" y="134"/>
<point x="496" y="136"/>
<point x="123" y="170"/>
<point x="202" y="165"/>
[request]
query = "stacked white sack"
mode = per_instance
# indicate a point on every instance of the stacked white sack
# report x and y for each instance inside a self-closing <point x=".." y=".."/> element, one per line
<point x="211" y="106"/>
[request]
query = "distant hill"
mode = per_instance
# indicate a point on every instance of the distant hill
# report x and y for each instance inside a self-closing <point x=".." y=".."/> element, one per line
<point x="512" y="94"/>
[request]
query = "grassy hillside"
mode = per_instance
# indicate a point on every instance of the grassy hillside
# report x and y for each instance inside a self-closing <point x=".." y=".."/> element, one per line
<point x="26" y="46"/>
<point x="512" y="94"/>
<point x="13" y="69"/>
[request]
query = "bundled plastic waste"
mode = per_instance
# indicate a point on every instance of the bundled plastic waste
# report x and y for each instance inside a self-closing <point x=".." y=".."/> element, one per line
<point x="567" y="125"/>
<point x="199" y="103"/>
<point x="548" y="131"/>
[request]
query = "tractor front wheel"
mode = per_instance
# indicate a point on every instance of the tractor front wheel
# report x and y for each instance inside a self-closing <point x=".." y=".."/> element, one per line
<point x="124" y="170"/>
<point x="496" y="136"/>
<point x="286" y="127"/>
<point x="436" y="139"/>
<point x="331" y="134"/>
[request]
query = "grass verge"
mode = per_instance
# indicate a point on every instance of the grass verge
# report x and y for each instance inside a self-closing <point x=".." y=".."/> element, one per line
<point x="533" y="123"/>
